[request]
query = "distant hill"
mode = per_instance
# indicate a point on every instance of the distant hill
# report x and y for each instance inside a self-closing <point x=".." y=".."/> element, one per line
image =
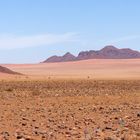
<point x="7" y="71"/>
<point x="108" y="52"/>
<point x="67" y="57"/>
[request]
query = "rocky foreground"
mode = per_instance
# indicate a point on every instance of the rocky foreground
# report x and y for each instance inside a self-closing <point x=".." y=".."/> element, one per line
<point x="70" y="110"/>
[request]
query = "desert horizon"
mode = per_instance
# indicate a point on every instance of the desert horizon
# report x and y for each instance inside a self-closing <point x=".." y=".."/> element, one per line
<point x="69" y="70"/>
<point x="93" y="69"/>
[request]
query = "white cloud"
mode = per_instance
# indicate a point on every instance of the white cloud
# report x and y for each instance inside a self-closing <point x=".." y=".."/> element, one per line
<point x="13" y="41"/>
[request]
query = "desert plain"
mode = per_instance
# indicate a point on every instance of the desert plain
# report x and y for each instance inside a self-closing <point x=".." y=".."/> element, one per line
<point x="95" y="99"/>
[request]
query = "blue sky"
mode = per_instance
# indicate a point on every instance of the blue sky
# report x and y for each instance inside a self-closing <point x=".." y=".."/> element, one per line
<point x="32" y="30"/>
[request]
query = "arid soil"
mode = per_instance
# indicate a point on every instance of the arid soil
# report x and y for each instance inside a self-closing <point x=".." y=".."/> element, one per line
<point x="82" y="100"/>
<point x="70" y="109"/>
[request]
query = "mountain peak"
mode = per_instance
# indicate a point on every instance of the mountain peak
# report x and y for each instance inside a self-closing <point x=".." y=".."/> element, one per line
<point x="66" y="57"/>
<point x="109" y="47"/>
<point x="68" y="54"/>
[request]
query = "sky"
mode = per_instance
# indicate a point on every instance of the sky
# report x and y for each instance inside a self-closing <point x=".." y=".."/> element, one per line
<point x="33" y="30"/>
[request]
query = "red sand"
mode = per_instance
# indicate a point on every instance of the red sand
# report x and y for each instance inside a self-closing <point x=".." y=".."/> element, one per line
<point x="95" y="68"/>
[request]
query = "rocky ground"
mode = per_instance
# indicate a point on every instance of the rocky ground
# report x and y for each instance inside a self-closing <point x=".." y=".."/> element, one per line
<point x="70" y="110"/>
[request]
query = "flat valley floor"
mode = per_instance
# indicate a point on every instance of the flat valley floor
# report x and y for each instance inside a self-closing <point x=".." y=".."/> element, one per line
<point x="100" y="102"/>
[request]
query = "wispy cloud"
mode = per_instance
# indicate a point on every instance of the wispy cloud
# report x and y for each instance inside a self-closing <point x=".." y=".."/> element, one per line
<point x="124" y="39"/>
<point x="14" y="41"/>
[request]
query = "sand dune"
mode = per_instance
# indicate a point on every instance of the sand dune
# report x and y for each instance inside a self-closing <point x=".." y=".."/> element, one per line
<point x="96" y="69"/>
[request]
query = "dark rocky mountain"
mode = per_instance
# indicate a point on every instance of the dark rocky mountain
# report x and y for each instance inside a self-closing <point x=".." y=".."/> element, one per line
<point x="108" y="52"/>
<point x="8" y="71"/>
<point x="67" y="57"/>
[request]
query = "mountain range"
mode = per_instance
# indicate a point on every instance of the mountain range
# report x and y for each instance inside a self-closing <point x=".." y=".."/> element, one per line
<point x="108" y="52"/>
